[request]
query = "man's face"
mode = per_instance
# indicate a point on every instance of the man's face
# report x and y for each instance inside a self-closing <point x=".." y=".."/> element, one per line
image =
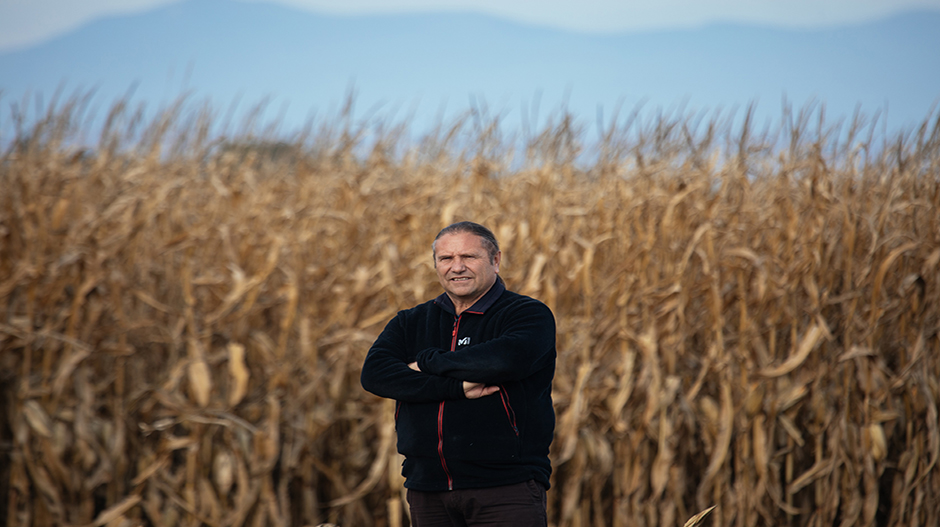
<point x="464" y="267"/>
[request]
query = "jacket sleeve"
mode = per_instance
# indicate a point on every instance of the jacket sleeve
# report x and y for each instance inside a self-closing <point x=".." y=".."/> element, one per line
<point x="525" y="344"/>
<point x="385" y="371"/>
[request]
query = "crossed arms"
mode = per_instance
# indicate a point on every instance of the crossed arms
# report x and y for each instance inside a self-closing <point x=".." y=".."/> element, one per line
<point x="524" y="344"/>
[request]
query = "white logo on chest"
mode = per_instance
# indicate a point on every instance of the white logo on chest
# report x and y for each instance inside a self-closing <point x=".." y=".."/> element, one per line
<point x="464" y="341"/>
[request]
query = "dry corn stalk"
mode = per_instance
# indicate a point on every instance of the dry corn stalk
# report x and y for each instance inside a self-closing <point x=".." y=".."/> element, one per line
<point x="750" y="334"/>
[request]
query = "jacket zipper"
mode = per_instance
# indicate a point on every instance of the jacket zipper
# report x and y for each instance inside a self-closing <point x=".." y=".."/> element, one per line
<point x="440" y="445"/>
<point x="440" y="414"/>
<point x="510" y="413"/>
<point x="453" y="334"/>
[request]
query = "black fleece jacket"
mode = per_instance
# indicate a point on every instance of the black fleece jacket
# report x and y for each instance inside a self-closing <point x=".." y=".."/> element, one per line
<point x="449" y="441"/>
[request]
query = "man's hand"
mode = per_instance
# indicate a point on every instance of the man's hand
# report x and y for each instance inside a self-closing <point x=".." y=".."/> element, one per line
<point x="475" y="390"/>
<point x="471" y="390"/>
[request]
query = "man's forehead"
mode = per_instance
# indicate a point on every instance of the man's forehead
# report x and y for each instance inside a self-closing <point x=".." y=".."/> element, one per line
<point x="459" y="242"/>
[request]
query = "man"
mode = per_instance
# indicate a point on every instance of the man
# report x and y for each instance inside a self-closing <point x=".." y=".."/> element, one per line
<point x="471" y="372"/>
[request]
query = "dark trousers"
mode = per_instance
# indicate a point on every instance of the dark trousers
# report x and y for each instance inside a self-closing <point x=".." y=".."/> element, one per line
<point x="519" y="505"/>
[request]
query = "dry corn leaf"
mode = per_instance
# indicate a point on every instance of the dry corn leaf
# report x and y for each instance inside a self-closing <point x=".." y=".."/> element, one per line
<point x="625" y="388"/>
<point x="172" y="442"/>
<point x="659" y="472"/>
<point x="239" y="373"/>
<point x="818" y="470"/>
<point x="535" y="274"/>
<point x="271" y="438"/>
<point x="698" y="518"/>
<point x="116" y="511"/>
<point x="791" y="396"/>
<point x="209" y="506"/>
<point x="810" y="339"/>
<point x="223" y="471"/>
<point x="880" y="276"/>
<point x="200" y="382"/>
<point x="760" y="447"/>
<point x="67" y="367"/>
<point x="149" y="471"/>
<point x="878" y="445"/>
<point x="933" y="427"/>
<point x="791" y="429"/>
<point x="383" y="316"/>
<point x="37" y="418"/>
<point x="569" y="424"/>
<point x="725" y="430"/>
<point x="377" y="469"/>
<point x="59" y="212"/>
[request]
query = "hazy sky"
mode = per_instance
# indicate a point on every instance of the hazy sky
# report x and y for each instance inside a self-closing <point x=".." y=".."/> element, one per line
<point x="26" y="22"/>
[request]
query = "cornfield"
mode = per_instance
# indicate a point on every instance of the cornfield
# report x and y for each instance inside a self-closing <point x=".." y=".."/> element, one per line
<point x="747" y="320"/>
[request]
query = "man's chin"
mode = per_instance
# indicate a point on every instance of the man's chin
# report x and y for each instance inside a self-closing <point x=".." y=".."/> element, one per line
<point x="460" y="289"/>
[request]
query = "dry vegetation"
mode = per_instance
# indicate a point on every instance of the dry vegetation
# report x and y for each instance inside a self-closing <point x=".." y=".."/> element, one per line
<point x="742" y="326"/>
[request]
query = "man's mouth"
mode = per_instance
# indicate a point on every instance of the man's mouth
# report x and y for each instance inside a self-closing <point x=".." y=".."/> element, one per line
<point x="460" y="279"/>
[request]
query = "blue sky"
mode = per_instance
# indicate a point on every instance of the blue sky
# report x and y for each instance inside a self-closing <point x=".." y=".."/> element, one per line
<point x="666" y="54"/>
<point x="27" y="22"/>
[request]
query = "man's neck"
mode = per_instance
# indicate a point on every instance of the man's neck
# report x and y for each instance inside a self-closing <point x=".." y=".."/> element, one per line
<point x="461" y="306"/>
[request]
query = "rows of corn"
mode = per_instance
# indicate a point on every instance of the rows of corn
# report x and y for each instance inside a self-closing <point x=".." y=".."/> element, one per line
<point x="745" y="321"/>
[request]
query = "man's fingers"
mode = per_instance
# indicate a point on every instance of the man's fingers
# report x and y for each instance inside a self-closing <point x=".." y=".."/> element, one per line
<point x="414" y="366"/>
<point x="475" y="390"/>
<point x="468" y="389"/>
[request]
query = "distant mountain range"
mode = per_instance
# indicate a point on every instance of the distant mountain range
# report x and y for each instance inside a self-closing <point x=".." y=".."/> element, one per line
<point x="413" y="67"/>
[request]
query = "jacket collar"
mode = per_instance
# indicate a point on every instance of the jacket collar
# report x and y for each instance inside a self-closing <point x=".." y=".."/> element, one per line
<point x="480" y="306"/>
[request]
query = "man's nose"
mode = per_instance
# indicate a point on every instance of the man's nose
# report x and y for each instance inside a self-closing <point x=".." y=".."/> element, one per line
<point x="459" y="264"/>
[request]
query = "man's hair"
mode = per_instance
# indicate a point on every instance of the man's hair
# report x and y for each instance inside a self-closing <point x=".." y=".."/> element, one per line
<point x="489" y="241"/>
